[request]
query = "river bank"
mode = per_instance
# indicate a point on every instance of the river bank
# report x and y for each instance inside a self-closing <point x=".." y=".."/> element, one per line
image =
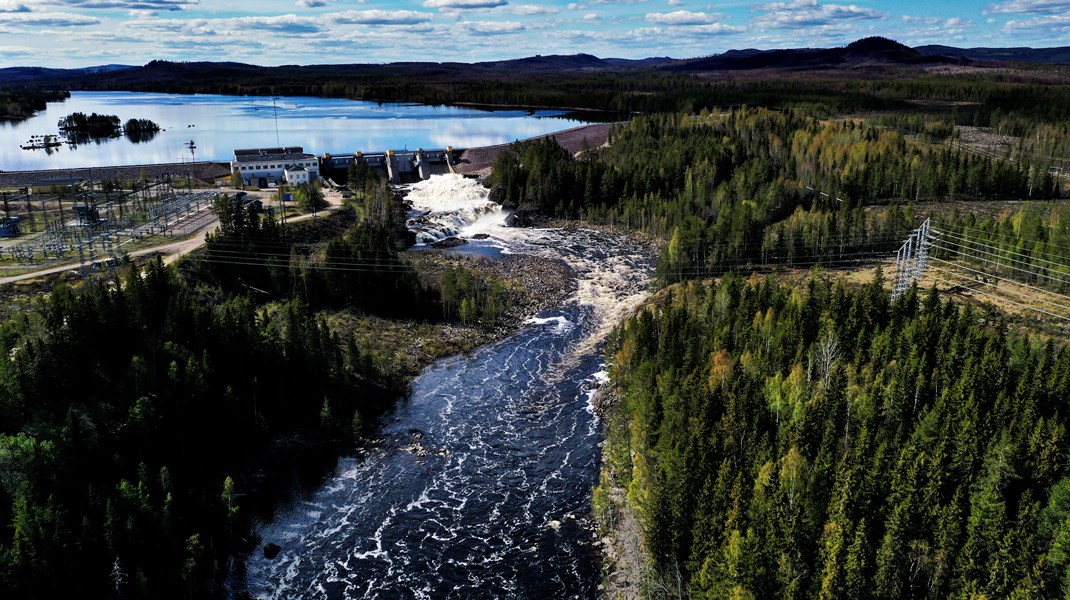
<point x="619" y="528"/>
<point x="478" y="483"/>
<point x="538" y="283"/>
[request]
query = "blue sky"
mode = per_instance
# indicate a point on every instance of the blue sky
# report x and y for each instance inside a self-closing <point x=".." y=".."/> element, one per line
<point x="75" y="33"/>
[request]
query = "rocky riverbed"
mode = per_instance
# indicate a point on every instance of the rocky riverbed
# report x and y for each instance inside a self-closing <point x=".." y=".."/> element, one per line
<point x="538" y="282"/>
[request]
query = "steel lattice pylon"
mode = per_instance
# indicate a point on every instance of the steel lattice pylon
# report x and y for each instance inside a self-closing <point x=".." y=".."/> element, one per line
<point x="912" y="258"/>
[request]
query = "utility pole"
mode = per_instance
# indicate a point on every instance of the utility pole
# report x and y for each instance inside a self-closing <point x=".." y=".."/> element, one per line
<point x="192" y="159"/>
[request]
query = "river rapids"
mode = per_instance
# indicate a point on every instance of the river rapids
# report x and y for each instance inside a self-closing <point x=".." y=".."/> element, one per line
<point x="479" y="483"/>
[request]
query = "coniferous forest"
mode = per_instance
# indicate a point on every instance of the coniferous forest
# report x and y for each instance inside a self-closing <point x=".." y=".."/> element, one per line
<point x="820" y="441"/>
<point x="776" y="428"/>
<point x="135" y="410"/>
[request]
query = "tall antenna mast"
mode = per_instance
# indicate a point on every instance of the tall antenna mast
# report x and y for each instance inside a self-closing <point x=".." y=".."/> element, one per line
<point x="276" y="109"/>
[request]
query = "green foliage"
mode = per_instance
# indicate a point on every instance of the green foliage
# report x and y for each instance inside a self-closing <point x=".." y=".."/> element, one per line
<point x="22" y="103"/>
<point x="752" y="188"/>
<point x="309" y="196"/>
<point x="819" y="441"/>
<point x="140" y="126"/>
<point x="1029" y="245"/>
<point x="129" y="409"/>
<point x="92" y="125"/>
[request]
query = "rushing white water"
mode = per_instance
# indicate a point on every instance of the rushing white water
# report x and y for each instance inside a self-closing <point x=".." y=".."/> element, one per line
<point x="480" y="483"/>
<point x="449" y="206"/>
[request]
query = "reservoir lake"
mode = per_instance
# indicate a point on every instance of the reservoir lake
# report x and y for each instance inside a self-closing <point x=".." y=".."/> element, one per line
<point x="219" y="124"/>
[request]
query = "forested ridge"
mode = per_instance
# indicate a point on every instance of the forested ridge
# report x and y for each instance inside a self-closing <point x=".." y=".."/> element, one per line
<point x="976" y="96"/>
<point x="750" y="188"/>
<point x="818" y="440"/>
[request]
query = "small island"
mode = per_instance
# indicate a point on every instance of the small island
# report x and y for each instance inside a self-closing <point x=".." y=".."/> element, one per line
<point x="140" y="130"/>
<point x="79" y="127"/>
<point x="93" y="125"/>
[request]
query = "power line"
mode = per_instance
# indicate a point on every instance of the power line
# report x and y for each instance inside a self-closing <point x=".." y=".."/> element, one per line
<point x="1007" y="266"/>
<point x="1002" y="235"/>
<point x="1005" y="250"/>
<point x="1002" y="299"/>
<point x="1039" y="299"/>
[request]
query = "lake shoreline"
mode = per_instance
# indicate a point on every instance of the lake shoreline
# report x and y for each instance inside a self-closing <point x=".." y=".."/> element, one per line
<point x="220" y="123"/>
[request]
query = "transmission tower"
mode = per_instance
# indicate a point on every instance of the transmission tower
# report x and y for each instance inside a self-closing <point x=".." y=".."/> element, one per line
<point x="913" y="258"/>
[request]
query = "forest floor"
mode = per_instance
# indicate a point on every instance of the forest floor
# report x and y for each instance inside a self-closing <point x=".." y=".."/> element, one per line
<point x="538" y="284"/>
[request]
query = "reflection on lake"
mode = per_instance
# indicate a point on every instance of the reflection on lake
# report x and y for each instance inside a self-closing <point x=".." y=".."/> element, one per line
<point x="218" y="124"/>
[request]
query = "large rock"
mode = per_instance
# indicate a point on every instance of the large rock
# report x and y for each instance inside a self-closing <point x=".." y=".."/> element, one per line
<point x="522" y="216"/>
<point x="271" y="550"/>
<point x="449" y="242"/>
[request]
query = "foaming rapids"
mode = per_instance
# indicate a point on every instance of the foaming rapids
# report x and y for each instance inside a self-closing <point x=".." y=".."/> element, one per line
<point x="447" y="205"/>
<point x="479" y="484"/>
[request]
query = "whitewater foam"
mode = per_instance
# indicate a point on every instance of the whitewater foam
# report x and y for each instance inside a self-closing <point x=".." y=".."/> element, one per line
<point x="447" y="205"/>
<point x="561" y="324"/>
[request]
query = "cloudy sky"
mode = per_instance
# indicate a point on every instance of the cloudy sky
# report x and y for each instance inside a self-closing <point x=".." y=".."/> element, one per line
<point x="76" y="33"/>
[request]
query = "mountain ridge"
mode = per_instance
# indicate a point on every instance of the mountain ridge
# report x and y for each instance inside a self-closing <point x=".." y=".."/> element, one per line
<point x="871" y="52"/>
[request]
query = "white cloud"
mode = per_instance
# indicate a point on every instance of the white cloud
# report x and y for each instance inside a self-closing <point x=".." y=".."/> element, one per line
<point x="681" y="17"/>
<point x="921" y="20"/>
<point x="1039" y="24"/>
<point x="532" y="9"/>
<point x="47" y="19"/>
<point x="379" y="17"/>
<point x="286" y="25"/>
<point x="717" y="29"/>
<point x="492" y="27"/>
<point x="17" y="51"/>
<point x="676" y="2"/>
<point x="153" y="5"/>
<point x="1034" y="7"/>
<point x="801" y="14"/>
<point x="455" y="5"/>
<point x="12" y="6"/>
<point x="576" y="6"/>
<point x="592" y="17"/>
<point x="938" y="31"/>
<point x="311" y="3"/>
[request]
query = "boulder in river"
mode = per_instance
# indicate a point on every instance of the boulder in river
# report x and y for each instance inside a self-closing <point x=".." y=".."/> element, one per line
<point x="271" y="550"/>
<point x="449" y="242"/>
<point x="522" y="216"/>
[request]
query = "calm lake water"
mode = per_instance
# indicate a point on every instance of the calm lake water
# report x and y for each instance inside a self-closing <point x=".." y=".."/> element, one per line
<point x="218" y="124"/>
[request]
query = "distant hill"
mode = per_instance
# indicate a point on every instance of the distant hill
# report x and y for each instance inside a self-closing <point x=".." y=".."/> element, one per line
<point x="862" y="54"/>
<point x="871" y="51"/>
<point x="1060" y="55"/>
<point x="27" y="74"/>
<point x="554" y="62"/>
<point x="400" y="80"/>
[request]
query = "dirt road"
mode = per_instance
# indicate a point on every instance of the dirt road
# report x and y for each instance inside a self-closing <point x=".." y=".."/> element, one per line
<point x="172" y="251"/>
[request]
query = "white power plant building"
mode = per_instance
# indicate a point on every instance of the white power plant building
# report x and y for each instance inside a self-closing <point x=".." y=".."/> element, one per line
<point x="267" y="167"/>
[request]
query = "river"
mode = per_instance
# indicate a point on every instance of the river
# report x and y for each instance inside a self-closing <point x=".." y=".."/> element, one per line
<point x="219" y="124"/>
<point x="478" y="485"/>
